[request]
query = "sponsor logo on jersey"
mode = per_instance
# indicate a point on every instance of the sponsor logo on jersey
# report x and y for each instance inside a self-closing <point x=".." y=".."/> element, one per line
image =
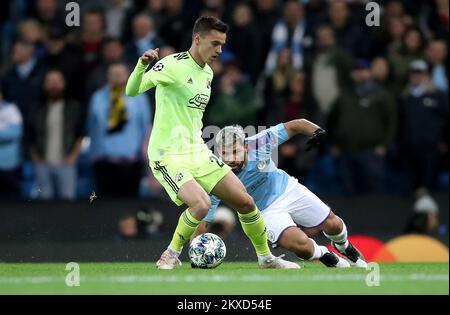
<point x="190" y="81"/>
<point x="199" y="101"/>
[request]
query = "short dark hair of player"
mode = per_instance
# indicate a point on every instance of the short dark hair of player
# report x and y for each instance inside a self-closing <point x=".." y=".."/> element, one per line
<point x="204" y="24"/>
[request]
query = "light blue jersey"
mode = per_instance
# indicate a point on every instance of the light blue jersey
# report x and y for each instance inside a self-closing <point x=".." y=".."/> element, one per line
<point x="264" y="181"/>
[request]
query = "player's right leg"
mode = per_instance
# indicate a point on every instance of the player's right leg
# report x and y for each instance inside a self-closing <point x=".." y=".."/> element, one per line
<point x="233" y="193"/>
<point x="182" y="188"/>
<point x="296" y="241"/>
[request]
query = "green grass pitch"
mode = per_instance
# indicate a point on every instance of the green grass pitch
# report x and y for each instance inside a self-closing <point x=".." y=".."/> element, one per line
<point x="234" y="278"/>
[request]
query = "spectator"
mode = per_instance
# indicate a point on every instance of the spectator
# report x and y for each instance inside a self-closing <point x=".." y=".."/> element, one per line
<point x="329" y="69"/>
<point x="381" y="73"/>
<point x="47" y="13"/>
<point x="235" y="102"/>
<point x="396" y="32"/>
<point x="349" y="36"/>
<point x="92" y="33"/>
<point x="144" y="38"/>
<point x="176" y="22"/>
<point x="425" y="217"/>
<point x="297" y="104"/>
<point x="11" y="130"/>
<point x="380" y="70"/>
<point x="127" y="227"/>
<point x="277" y="86"/>
<point x="291" y="31"/>
<point x="153" y="8"/>
<point x="57" y="131"/>
<point x="437" y="19"/>
<point x="266" y="16"/>
<point x="112" y="52"/>
<point x="115" y="14"/>
<point x="22" y="81"/>
<point x="68" y="58"/>
<point x="362" y="124"/>
<point x="412" y="47"/>
<point x="243" y="38"/>
<point x="424" y="127"/>
<point x="117" y="126"/>
<point x="30" y="31"/>
<point x="436" y="54"/>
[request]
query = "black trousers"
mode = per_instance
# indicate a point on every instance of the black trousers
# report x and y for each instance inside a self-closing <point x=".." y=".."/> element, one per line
<point x="10" y="184"/>
<point x="117" y="179"/>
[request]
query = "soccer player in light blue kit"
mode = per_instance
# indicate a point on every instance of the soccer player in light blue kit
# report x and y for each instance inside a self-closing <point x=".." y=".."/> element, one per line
<point x="286" y="205"/>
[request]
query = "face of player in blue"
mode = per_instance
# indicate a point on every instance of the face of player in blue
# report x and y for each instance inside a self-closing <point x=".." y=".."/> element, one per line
<point x="234" y="156"/>
<point x="209" y="45"/>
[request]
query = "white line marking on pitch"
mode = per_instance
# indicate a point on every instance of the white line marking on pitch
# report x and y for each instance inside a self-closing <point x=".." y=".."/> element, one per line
<point x="223" y="278"/>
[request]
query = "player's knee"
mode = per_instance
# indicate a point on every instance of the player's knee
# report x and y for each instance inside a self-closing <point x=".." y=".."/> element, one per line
<point x="247" y="204"/>
<point x="201" y="207"/>
<point x="333" y="224"/>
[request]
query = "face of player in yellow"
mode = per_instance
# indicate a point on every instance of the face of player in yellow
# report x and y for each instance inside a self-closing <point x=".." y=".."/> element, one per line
<point x="209" y="45"/>
<point x="234" y="156"/>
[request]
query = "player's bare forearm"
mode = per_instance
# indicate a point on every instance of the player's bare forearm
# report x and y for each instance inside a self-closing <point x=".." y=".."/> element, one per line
<point x="300" y="126"/>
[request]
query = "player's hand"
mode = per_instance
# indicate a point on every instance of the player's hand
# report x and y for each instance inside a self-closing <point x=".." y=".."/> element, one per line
<point x="149" y="56"/>
<point x="315" y="139"/>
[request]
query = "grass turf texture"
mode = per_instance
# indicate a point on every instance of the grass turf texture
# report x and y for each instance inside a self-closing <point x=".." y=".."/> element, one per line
<point x="235" y="278"/>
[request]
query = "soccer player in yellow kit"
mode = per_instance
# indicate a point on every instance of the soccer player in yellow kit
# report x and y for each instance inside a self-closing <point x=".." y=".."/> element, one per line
<point x="178" y="156"/>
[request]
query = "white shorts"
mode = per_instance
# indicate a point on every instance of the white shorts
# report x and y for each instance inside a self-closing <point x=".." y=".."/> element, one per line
<point x="297" y="206"/>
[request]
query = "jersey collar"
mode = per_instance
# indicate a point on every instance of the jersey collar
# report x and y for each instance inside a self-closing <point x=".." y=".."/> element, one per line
<point x="195" y="62"/>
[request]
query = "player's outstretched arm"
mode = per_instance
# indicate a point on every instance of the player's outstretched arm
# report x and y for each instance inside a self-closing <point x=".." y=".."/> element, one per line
<point x="305" y="127"/>
<point x="300" y="126"/>
<point x="137" y="82"/>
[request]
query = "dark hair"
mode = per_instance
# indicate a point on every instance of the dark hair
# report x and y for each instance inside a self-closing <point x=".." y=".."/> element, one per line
<point x="205" y="24"/>
<point x="110" y="39"/>
<point x="423" y="40"/>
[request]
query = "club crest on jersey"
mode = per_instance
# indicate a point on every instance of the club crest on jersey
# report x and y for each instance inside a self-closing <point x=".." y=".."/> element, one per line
<point x="208" y="83"/>
<point x="178" y="177"/>
<point x="158" y="67"/>
<point x="261" y="165"/>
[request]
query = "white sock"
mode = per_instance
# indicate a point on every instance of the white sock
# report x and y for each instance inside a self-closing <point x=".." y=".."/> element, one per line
<point x="318" y="251"/>
<point x="340" y="239"/>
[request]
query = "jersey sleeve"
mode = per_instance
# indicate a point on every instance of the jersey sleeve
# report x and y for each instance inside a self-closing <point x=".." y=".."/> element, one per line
<point x="264" y="142"/>
<point x="212" y="210"/>
<point x="162" y="73"/>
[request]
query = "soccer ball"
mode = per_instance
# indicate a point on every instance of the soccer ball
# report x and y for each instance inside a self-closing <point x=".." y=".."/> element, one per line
<point x="207" y="251"/>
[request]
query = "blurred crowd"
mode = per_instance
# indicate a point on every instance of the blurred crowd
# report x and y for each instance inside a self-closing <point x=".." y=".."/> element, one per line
<point x="381" y="92"/>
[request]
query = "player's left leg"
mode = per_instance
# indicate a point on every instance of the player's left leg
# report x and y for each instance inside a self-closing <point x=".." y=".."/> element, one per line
<point x="335" y="230"/>
<point x="311" y="213"/>
<point x="296" y="241"/>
